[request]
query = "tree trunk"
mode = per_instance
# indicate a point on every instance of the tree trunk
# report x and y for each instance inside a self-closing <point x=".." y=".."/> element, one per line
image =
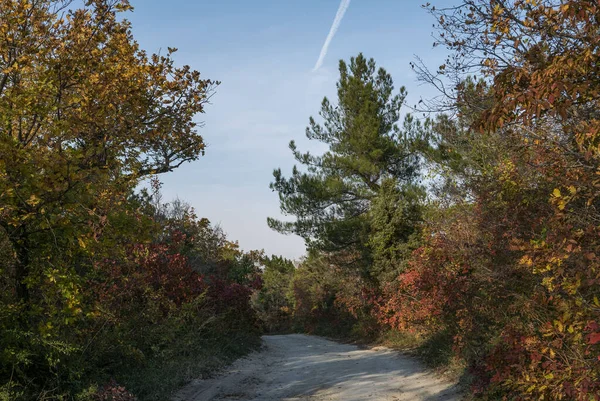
<point x="21" y="269"/>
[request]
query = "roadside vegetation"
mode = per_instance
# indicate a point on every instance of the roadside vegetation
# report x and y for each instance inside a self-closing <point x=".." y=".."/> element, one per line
<point x="468" y="236"/>
<point x="106" y="292"/>
<point x="463" y="229"/>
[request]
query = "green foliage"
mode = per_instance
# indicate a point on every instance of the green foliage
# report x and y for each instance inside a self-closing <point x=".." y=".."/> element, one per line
<point x="97" y="283"/>
<point x="314" y="290"/>
<point x="145" y="314"/>
<point x="273" y="302"/>
<point x="395" y="218"/>
<point x="192" y="342"/>
<point x="331" y="199"/>
<point x="500" y="272"/>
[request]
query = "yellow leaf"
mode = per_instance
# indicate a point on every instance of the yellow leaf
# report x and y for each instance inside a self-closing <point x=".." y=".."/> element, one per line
<point x="33" y="200"/>
<point x="559" y="326"/>
<point x="81" y="243"/>
<point x="556" y="192"/>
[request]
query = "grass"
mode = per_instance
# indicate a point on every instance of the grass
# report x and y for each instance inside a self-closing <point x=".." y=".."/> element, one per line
<point x="161" y="376"/>
<point x="434" y="351"/>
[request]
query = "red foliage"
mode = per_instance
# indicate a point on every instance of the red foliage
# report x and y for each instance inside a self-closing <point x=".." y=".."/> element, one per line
<point x="156" y="271"/>
<point x="226" y="296"/>
<point x="519" y="356"/>
<point x="430" y="293"/>
<point x="114" y="392"/>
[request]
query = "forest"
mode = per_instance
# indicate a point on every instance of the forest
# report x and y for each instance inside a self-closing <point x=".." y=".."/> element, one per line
<point x="463" y="230"/>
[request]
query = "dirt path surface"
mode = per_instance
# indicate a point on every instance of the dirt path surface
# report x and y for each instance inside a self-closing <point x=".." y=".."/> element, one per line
<point x="300" y="367"/>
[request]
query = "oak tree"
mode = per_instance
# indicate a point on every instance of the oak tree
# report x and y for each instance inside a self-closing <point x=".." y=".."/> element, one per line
<point x="85" y="114"/>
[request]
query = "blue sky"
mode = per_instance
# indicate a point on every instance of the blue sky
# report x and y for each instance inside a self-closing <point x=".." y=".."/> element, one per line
<point x="263" y="52"/>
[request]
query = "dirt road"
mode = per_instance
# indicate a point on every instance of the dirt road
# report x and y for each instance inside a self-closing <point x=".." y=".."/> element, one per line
<point x="299" y="367"/>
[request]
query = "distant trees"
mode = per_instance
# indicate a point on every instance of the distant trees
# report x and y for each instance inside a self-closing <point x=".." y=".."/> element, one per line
<point x="274" y="302"/>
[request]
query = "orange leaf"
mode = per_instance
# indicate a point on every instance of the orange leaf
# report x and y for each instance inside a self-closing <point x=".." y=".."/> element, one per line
<point x="594" y="338"/>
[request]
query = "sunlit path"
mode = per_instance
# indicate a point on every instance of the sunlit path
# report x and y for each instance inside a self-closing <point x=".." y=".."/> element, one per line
<point x="300" y="367"/>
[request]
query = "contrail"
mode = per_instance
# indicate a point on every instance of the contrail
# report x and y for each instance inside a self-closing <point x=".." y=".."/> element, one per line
<point x="344" y="4"/>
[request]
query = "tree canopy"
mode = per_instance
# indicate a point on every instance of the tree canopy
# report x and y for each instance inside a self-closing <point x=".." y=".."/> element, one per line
<point x="84" y="115"/>
<point x="330" y="194"/>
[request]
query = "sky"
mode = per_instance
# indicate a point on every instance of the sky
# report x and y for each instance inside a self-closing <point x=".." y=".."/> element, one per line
<point x="265" y="52"/>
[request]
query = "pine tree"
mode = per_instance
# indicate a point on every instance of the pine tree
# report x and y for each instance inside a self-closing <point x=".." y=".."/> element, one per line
<point x="331" y="194"/>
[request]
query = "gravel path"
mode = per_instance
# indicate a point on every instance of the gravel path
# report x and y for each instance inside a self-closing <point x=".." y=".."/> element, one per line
<point x="300" y="367"/>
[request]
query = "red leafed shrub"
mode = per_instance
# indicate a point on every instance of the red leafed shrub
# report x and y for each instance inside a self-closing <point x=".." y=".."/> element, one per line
<point x="168" y="272"/>
<point x="543" y="365"/>
<point x="150" y="271"/>
<point x="114" y="392"/>
<point x="225" y="296"/>
<point x="430" y="293"/>
<point x="155" y="310"/>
